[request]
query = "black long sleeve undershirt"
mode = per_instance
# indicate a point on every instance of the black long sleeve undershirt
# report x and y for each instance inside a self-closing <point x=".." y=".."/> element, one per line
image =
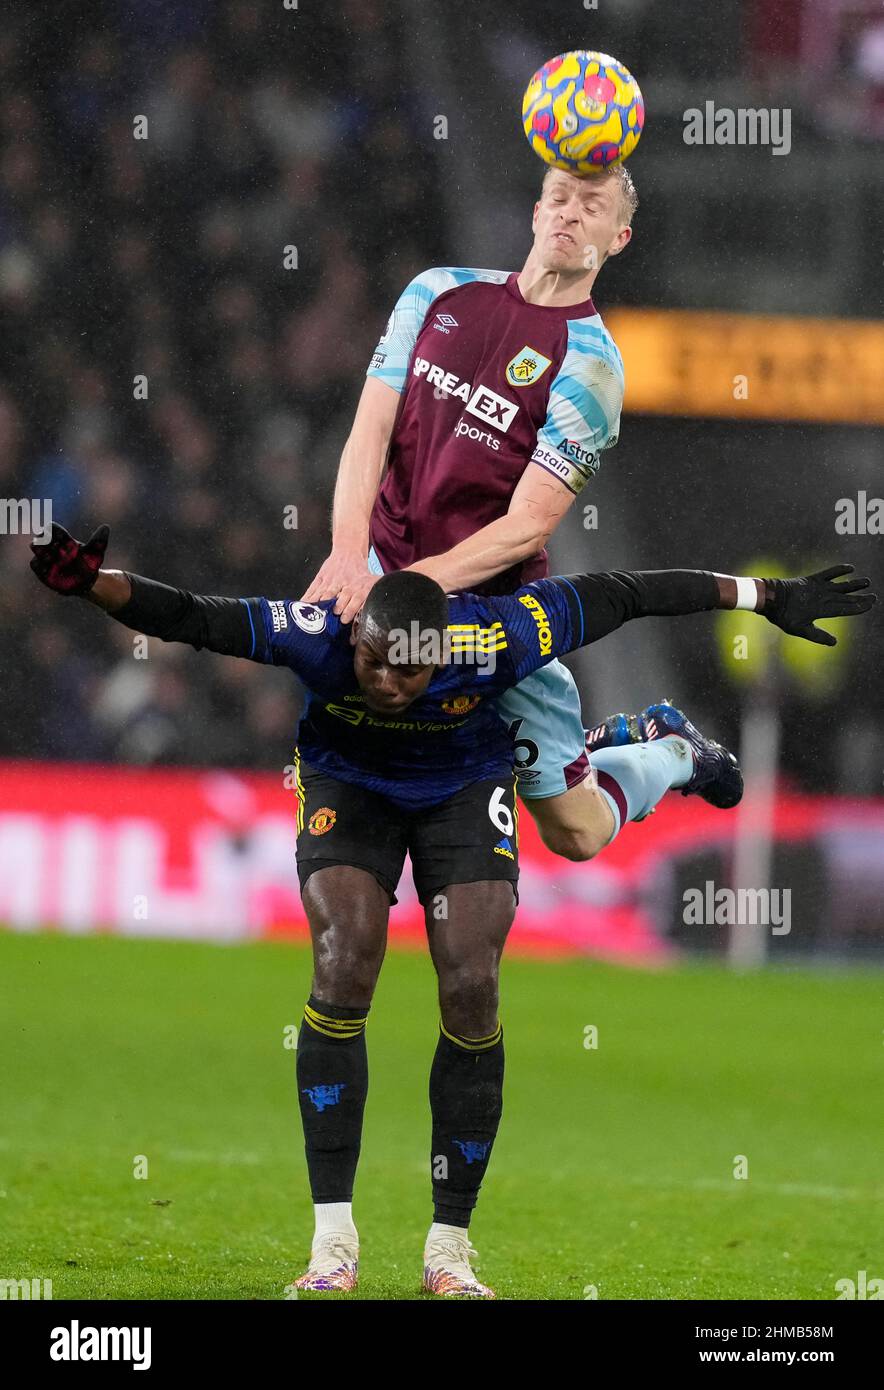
<point x="607" y="601"/>
<point x="600" y="603"/>
<point x="231" y="626"/>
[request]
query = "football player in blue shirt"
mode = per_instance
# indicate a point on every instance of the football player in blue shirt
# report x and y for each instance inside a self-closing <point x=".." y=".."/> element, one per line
<point x="400" y="750"/>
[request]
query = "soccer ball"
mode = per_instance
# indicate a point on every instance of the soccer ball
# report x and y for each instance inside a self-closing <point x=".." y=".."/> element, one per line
<point x="583" y="111"/>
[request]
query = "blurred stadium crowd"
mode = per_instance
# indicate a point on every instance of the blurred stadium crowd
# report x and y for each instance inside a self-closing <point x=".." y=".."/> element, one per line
<point x="164" y="257"/>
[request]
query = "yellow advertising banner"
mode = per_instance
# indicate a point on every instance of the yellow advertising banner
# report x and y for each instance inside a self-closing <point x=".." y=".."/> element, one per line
<point x="745" y="366"/>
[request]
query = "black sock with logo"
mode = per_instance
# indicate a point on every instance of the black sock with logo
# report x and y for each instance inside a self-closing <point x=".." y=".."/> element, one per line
<point x="332" y="1087"/>
<point x="466" y="1101"/>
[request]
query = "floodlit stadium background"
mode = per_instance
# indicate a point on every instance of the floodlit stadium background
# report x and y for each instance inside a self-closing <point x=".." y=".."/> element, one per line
<point x="314" y="128"/>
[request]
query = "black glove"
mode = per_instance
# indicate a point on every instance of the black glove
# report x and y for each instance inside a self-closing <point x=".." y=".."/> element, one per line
<point x="794" y="604"/>
<point x="68" y="566"/>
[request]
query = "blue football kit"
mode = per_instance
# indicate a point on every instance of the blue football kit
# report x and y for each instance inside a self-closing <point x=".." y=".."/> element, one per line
<point x="436" y="780"/>
<point x="452" y="735"/>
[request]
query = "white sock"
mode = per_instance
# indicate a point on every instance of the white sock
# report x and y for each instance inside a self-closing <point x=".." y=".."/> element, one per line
<point x="333" y="1216"/>
<point x="439" y="1229"/>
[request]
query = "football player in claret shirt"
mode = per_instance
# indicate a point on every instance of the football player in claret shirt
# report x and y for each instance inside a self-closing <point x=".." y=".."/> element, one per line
<point x="488" y="405"/>
<point x="400" y="749"/>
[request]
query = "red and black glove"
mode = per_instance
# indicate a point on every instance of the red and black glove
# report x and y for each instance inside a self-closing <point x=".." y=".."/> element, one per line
<point x="68" y="566"/>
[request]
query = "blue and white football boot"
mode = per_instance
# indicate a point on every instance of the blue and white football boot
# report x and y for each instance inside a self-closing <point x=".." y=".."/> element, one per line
<point x="615" y="732"/>
<point x="717" y="777"/>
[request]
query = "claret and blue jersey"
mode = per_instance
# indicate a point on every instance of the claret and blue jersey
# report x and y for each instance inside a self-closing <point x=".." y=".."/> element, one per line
<point x="489" y="385"/>
<point x="452" y="735"/>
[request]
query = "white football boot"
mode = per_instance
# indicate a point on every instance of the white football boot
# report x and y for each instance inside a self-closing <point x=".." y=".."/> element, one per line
<point x="334" y="1265"/>
<point x="447" y="1269"/>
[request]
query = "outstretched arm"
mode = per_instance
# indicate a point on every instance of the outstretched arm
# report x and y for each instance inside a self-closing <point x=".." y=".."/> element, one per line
<point x="600" y="603"/>
<point x="550" y="617"/>
<point x="231" y="626"/>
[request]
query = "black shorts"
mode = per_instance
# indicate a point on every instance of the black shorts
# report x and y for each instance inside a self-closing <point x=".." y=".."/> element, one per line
<point x="470" y="838"/>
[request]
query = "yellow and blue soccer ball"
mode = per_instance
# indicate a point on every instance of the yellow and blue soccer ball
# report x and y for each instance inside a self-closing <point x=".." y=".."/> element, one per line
<point x="583" y="111"/>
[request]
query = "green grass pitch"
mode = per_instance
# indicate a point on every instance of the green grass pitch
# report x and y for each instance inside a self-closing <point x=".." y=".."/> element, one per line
<point x="613" y="1169"/>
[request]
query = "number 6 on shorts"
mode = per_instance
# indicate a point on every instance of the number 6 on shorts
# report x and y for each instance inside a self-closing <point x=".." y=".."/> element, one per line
<point x="501" y="815"/>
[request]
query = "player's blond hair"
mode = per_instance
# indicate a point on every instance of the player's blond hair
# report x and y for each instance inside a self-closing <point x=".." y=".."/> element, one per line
<point x="627" y="189"/>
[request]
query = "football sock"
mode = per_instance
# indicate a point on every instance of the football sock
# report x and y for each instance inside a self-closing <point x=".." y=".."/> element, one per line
<point x="633" y="779"/>
<point x="466" y="1102"/>
<point x="333" y="1216"/>
<point x="438" y="1228"/>
<point x="332" y="1086"/>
